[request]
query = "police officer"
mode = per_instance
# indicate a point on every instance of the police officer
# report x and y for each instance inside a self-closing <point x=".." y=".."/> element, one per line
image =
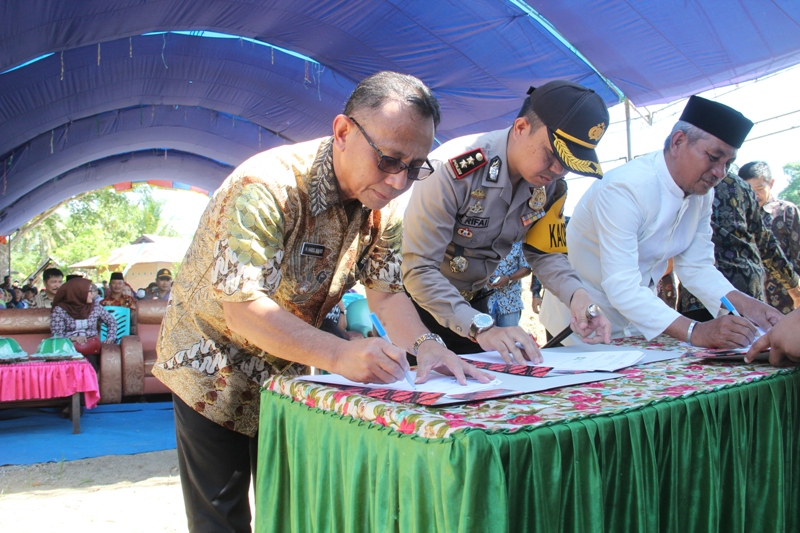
<point x="489" y="191"/>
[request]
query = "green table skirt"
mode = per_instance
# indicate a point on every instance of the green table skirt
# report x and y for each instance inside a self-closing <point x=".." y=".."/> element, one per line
<point x="726" y="461"/>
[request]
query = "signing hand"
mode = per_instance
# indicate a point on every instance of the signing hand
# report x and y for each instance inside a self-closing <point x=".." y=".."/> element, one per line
<point x="371" y="360"/>
<point x="505" y="340"/>
<point x="727" y="331"/>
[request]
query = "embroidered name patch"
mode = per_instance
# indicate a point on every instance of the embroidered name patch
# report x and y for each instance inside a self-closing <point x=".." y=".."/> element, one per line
<point x="312" y="250"/>
<point x="474" y="222"/>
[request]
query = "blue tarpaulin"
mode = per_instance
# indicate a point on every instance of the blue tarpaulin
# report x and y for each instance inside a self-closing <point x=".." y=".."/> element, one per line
<point x="117" y="93"/>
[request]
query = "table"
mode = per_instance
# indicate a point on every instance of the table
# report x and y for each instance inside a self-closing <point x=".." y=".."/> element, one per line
<point x="678" y="446"/>
<point x="22" y="383"/>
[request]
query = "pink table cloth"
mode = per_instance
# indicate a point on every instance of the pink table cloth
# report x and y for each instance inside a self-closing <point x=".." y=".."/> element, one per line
<point x="39" y="381"/>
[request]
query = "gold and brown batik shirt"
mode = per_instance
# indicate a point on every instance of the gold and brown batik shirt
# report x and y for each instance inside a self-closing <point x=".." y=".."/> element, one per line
<point x="276" y="228"/>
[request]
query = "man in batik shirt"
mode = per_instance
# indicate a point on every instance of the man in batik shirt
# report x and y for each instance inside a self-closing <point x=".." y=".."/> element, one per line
<point x="116" y="296"/>
<point x="742" y="244"/>
<point x="784" y="219"/>
<point x="284" y="237"/>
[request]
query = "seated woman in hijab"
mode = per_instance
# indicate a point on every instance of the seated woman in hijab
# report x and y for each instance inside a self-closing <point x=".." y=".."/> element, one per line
<point x="75" y="315"/>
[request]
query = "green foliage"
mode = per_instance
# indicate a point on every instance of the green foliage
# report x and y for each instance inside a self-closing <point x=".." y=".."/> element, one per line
<point x="87" y="226"/>
<point x="792" y="191"/>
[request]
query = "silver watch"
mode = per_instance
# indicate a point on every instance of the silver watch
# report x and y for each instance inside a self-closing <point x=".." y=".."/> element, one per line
<point x="427" y="337"/>
<point x="480" y="323"/>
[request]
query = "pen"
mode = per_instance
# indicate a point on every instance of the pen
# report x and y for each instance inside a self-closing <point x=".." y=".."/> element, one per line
<point x="382" y="334"/>
<point x="592" y="311"/>
<point x="729" y="306"/>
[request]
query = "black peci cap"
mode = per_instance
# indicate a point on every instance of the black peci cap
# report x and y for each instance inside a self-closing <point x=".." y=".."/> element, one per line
<point x="117" y="275"/>
<point x="576" y="119"/>
<point x="721" y="121"/>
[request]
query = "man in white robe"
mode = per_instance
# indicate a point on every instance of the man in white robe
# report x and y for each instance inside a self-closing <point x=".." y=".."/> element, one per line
<point x="629" y="224"/>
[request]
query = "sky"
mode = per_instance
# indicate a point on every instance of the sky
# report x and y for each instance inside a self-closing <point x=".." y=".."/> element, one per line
<point x="761" y="101"/>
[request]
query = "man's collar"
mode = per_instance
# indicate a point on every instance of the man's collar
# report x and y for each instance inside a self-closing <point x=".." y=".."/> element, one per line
<point x="323" y="189"/>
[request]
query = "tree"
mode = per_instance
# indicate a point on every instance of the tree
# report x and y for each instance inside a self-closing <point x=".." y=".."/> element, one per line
<point x="792" y="191"/>
<point x="88" y="225"/>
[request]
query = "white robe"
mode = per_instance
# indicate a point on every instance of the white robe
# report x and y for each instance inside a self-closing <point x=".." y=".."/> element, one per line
<point x="621" y="236"/>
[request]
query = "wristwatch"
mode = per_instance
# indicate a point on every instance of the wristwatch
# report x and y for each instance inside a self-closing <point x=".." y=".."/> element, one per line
<point x="480" y="322"/>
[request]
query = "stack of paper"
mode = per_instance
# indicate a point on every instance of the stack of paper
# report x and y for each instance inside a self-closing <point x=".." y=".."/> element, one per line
<point x="574" y="359"/>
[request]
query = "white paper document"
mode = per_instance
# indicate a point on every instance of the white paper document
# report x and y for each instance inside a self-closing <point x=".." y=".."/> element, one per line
<point x="448" y="385"/>
<point x="436" y="383"/>
<point x="572" y="360"/>
<point x="650" y="356"/>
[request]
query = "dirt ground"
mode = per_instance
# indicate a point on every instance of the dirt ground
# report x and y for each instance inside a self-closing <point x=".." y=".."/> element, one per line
<point x="112" y="494"/>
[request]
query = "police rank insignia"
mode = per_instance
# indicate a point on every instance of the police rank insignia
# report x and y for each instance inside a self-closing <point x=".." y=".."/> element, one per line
<point x="494" y="169"/>
<point x="467" y="162"/>
<point x="464" y="232"/>
<point x="538" y="199"/>
<point x="478" y="194"/>
<point x="459" y="264"/>
<point x="476" y="208"/>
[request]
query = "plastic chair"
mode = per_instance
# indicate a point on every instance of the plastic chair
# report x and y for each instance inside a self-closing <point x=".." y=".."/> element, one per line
<point x="357" y="314"/>
<point x="123" y="317"/>
<point x="350" y="297"/>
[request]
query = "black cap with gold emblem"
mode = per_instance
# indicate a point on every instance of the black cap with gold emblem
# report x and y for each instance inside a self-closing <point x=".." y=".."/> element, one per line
<point x="576" y="118"/>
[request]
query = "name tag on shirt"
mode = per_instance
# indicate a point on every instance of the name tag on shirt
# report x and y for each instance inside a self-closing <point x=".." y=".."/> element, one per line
<point x="311" y="249"/>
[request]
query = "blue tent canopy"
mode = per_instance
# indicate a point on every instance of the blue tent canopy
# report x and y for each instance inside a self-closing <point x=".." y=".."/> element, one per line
<point x="112" y="91"/>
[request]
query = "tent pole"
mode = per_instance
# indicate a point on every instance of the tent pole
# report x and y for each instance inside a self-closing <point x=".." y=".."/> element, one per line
<point x="628" y="126"/>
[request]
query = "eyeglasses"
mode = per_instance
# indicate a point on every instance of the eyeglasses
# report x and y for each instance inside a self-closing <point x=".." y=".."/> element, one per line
<point x="392" y="165"/>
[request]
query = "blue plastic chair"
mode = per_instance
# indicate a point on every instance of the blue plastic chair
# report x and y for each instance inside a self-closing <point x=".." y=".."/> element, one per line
<point x="350" y="297"/>
<point x="123" y="317"/>
<point x="357" y="314"/>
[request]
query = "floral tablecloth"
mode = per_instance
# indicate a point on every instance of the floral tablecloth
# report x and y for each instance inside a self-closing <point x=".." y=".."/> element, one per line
<point x="641" y="385"/>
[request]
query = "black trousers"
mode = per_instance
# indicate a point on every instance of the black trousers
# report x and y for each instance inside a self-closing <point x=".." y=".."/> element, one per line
<point x="454" y="341"/>
<point x="215" y="465"/>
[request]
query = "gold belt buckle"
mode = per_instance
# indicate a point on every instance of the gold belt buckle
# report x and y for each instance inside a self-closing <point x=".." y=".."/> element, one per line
<point x="467" y="295"/>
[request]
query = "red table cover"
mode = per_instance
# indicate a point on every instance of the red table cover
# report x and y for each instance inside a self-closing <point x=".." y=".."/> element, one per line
<point x="35" y="381"/>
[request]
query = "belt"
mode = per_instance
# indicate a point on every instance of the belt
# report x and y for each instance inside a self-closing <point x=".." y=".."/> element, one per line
<point x="476" y="295"/>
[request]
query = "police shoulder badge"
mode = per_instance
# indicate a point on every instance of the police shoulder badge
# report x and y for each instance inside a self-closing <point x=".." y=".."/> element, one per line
<point x="467" y="162"/>
<point x="538" y="199"/>
<point x="494" y="169"/>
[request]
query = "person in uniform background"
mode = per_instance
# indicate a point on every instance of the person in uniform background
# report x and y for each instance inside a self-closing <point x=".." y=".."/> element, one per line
<point x="744" y="247"/>
<point x="536" y="294"/>
<point x="505" y="302"/>
<point x="489" y="191"/>
<point x="628" y="225"/>
<point x="284" y="237"/>
<point x="783" y="218"/>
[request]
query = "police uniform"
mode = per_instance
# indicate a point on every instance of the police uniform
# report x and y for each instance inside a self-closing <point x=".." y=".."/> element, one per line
<point x="462" y="220"/>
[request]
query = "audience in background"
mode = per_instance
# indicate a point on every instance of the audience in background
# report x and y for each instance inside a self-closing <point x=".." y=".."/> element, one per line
<point x="116" y="293"/>
<point x="783" y="218"/>
<point x="744" y="247"/>
<point x="505" y="303"/>
<point x="53" y="279"/>
<point x="163" y="283"/>
<point x="75" y="315"/>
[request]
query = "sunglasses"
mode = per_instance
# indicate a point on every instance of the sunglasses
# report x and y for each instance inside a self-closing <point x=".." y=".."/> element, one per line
<point x="392" y="165"/>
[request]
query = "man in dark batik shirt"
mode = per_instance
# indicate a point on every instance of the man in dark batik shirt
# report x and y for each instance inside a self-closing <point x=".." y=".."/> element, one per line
<point x="742" y="242"/>
<point x="784" y="219"/>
